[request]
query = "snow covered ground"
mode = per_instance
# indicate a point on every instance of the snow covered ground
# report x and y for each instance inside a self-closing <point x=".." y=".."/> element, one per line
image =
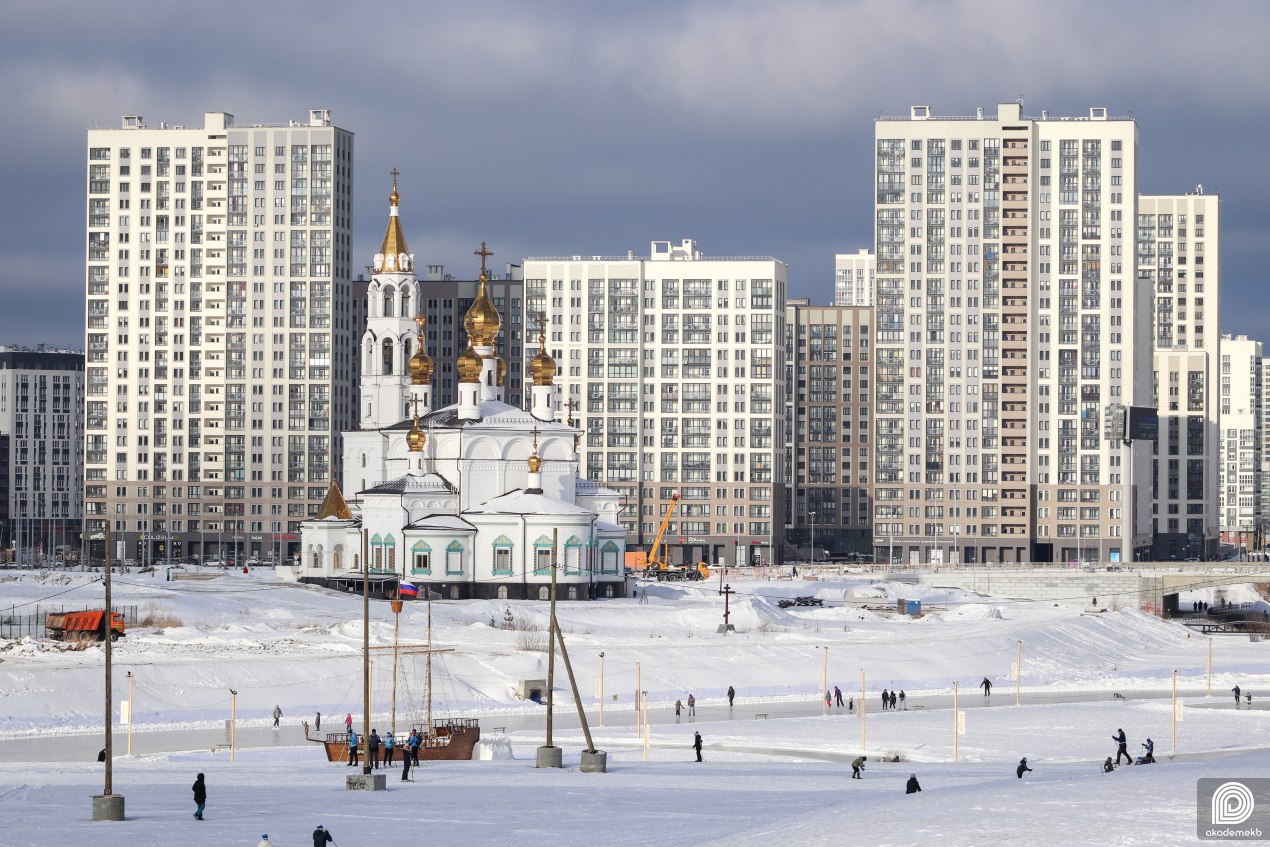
<point x="780" y="778"/>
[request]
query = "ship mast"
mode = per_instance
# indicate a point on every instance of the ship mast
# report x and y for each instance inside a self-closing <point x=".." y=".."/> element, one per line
<point x="428" y="726"/>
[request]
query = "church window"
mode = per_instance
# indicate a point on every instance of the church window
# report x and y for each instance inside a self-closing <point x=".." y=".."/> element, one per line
<point x="609" y="557"/>
<point x="389" y="295"/>
<point x="363" y="460"/>
<point x="542" y="556"/>
<point x="573" y="592"/>
<point x="387" y="371"/>
<point x="335" y="561"/>
<point x="544" y="593"/>
<point x="573" y="555"/>
<point x="454" y="558"/>
<point x="502" y="592"/>
<point x="421" y="554"/>
<point x="317" y="560"/>
<point x="502" y="556"/>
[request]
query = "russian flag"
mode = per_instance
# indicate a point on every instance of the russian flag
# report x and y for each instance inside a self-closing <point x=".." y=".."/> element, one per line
<point x="405" y="589"/>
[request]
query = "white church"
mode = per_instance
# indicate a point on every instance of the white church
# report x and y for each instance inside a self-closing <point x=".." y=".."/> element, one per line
<point x="475" y="500"/>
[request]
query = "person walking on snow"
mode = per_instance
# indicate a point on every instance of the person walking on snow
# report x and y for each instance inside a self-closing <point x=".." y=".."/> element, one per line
<point x="277" y="715"/>
<point x="696" y="744"/>
<point x="416" y="741"/>
<point x="348" y="722"/>
<point x="692" y="705"/>
<point x="851" y="703"/>
<point x="321" y="837"/>
<point x="732" y="696"/>
<point x="200" y="797"/>
<point x="405" y="763"/>
<point x="886" y="699"/>
<point x="389" y="744"/>
<point x="903" y="705"/>
<point x="1022" y="768"/>
<point x="912" y="787"/>
<point x="372" y="749"/>
<point x="1236" y="690"/>
<point x="1121" y="750"/>
<point x="1149" y="758"/>
<point x="679" y="705"/>
<point x="837" y="696"/>
<point x="352" y="748"/>
<point x="857" y="765"/>
<point x="986" y="685"/>
<point x="317" y="723"/>
<point x="892" y="699"/>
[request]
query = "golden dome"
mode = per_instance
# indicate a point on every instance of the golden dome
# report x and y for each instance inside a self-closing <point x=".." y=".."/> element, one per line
<point x="416" y="438"/>
<point x="482" y="321"/>
<point x="542" y="367"/>
<point x="394" y="243"/>
<point x="535" y="463"/>
<point x="469" y="365"/>
<point x="420" y="363"/>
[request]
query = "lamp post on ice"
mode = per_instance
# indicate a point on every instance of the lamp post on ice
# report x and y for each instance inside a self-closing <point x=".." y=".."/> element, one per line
<point x="108" y="806"/>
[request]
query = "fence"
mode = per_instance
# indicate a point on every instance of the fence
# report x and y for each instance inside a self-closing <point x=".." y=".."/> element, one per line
<point x="16" y="626"/>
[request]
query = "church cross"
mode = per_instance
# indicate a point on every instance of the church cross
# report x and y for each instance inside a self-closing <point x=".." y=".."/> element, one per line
<point x="541" y="320"/>
<point x="395" y="173"/>
<point x="414" y="402"/>
<point x="484" y="253"/>
<point x="535" y="431"/>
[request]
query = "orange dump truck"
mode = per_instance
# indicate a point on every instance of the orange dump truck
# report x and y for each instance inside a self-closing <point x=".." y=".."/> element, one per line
<point x="84" y="626"/>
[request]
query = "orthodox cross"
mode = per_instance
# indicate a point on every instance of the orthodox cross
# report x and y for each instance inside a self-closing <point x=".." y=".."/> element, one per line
<point x="535" y="432"/>
<point x="571" y="404"/>
<point x="484" y="253"/>
<point x="395" y="173"/>
<point x="541" y="320"/>
<point x="414" y="402"/>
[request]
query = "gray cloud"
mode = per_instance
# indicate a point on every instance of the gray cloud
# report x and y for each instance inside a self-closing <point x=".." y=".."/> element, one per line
<point x="580" y="127"/>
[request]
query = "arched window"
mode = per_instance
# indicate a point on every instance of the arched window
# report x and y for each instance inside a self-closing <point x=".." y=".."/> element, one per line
<point x="335" y="559"/>
<point x="454" y="558"/>
<point x="387" y="371"/>
<point x="502" y="592"/>
<point x="573" y="555"/>
<point x="389" y="296"/>
<point x="502" y="556"/>
<point x="573" y="592"/>
<point x="363" y="460"/>
<point x="405" y="301"/>
<point x="421" y="553"/>
<point x="544" y="593"/>
<point x="316" y="562"/>
<point x="376" y="552"/>
<point x="390" y="544"/>
<point x="542" y="556"/>
<point x="609" y="557"/>
<point x="608" y="590"/>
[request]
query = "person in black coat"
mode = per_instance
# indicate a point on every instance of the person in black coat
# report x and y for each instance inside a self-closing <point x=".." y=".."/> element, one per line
<point x="321" y="837"/>
<point x="1121" y="750"/>
<point x="912" y="787"/>
<point x="1022" y="768"/>
<point x="1107" y="766"/>
<point x="696" y="744"/>
<point x="200" y="797"/>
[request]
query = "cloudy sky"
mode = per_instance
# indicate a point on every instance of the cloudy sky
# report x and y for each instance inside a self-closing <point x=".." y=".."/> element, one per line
<point x="561" y="128"/>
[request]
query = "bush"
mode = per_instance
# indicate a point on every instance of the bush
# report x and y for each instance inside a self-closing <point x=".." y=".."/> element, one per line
<point x="158" y="616"/>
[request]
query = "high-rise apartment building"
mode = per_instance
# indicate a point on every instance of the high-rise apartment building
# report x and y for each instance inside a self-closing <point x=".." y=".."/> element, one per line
<point x="853" y="278"/>
<point x="218" y="331"/>
<point x="1007" y="319"/>
<point x="1239" y="469"/>
<point x="1178" y="259"/>
<point x="41" y="438"/>
<point x="827" y="412"/>
<point x="674" y="366"/>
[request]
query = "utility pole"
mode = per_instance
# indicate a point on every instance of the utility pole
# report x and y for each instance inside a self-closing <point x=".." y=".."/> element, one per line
<point x="601" y="688"/>
<point x="233" y="725"/>
<point x="824" y="676"/>
<point x="1018" y="675"/>
<point x="1175" y="713"/>
<point x="130" y="708"/>
<point x="956" y="719"/>
<point x="727" y="596"/>
<point x="864" y="721"/>
<point x="549" y="755"/>
<point x="108" y="806"/>
<point x="365" y="656"/>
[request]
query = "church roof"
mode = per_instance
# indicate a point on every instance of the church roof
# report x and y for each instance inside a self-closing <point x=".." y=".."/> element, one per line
<point x="334" y="506"/>
<point x="522" y="502"/>
<point x="441" y="522"/>
<point x="495" y="414"/>
<point x="605" y="526"/>
<point x="430" y="483"/>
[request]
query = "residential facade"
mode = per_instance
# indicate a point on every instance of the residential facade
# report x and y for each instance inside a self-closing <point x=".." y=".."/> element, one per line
<point x="1007" y="319"/>
<point x="853" y="278"/>
<point x="828" y="362"/>
<point x="41" y="453"/>
<point x="1178" y="258"/>
<point x="673" y="364"/>
<point x="1239" y="475"/>
<point x="219" y="332"/>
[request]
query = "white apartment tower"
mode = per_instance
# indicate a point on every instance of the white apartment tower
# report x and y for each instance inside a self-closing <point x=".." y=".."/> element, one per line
<point x="674" y="367"/>
<point x="853" y="277"/>
<point x="1239" y="474"/>
<point x="218" y="332"/>
<point x="1178" y="259"/>
<point x="1007" y="319"/>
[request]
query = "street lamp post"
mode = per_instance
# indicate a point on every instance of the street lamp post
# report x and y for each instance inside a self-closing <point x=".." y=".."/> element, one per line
<point x="811" y="514"/>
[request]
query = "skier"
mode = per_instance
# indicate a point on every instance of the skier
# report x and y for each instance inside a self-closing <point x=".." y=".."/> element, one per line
<point x="903" y="705"/>
<point x="389" y="744"/>
<point x="352" y="748"/>
<point x="692" y="705"/>
<point x="277" y="715"/>
<point x="857" y="765"/>
<point x="1149" y="758"/>
<point x="732" y="696"/>
<point x="1236" y="690"/>
<point x="372" y="749"/>
<point x="986" y="685"/>
<point x="1107" y="766"/>
<point x="264" y="841"/>
<point x="1022" y="768"/>
<point x="1121" y="750"/>
<point x="912" y="787"/>
<point x="321" y="837"/>
<point x="696" y="744"/>
<point x="317" y="723"/>
<point x="837" y="695"/>
<point x="200" y="797"/>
